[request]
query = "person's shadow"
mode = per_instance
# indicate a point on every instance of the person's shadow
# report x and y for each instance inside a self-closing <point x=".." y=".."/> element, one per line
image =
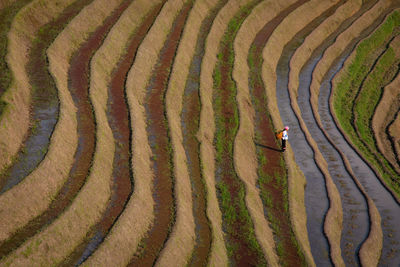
<point x="268" y="147"/>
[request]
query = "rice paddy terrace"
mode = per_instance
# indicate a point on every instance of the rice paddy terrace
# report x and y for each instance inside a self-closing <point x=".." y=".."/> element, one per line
<point x="141" y="133"/>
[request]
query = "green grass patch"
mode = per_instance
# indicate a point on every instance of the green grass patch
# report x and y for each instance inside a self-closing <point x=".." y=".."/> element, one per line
<point x="241" y="241"/>
<point x="356" y="95"/>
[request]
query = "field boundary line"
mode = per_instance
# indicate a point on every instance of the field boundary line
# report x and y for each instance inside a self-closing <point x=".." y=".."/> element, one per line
<point x="106" y="253"/>
<point x="272" y="52"/>
<point x="61" y="237"/>
<point x="15" y="119"/>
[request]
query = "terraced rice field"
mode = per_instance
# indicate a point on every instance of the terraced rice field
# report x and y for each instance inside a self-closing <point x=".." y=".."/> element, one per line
<point x="141" y="133"/>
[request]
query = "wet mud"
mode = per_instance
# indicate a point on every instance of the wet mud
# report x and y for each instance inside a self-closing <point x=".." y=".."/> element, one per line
<point x="158" y="135"/>
<point x="316" y="197"/>
<point x="76" y="176"/>
<point x="271" y="169"/>
<point x="243" y="248"/>
<point x="355" y="210"/>
<point x="385" y="202"/>
<point x="190" y="121"/>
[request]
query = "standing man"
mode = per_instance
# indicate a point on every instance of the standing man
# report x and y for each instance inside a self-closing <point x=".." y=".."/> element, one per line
<point x="284" y="137"/>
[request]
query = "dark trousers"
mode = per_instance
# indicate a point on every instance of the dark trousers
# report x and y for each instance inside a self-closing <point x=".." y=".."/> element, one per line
<point x="283" y="144"/>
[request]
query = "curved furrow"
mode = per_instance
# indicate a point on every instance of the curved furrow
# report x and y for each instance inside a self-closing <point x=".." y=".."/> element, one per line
<point x="361" y="62"/>
<point x="15" y="119"/>
<point x="159" y="140"/>
<point x="134" y="24"/>
<point x="44" y="108"/>
<point x="58" y="240"/>
<point x="183" y="104"/>
<point x="8" y="10"/>
<point x="356" y="224"/>
<point x="119" y="121"/>
<point x="272" y="174"/>
<point x="30" y="199"/>
<point x="138" y="216"/>
<point x="384" y="118"/>
<point x="241" y="241"/>
<point x="310" y="160"/>
<point x="368" y="96"/>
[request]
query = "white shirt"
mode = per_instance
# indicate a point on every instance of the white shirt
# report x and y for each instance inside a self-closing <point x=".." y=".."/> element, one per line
<point x="285" y="135"/>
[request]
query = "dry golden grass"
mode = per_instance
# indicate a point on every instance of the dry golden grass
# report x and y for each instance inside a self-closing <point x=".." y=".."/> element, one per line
<point x="394" y="131"/>
<point x="58" y="240"/>
<point x="123" y="240"/>
<point x="5" y="3"/>
<point x="244" y="147"/>
<point x="15" y="119"/>
<point x="218" y="255"/>
<point x="33" y="195"/>
<point x="120" y="244"/>
<point x="282" y="35"/>
<point x="179" y="247"/>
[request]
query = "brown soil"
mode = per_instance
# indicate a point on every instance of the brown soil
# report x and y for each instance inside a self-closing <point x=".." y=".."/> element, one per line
<point x="119" y="120"/>
<point x="269" y="149"/>
<point x="69" y="190"/>
<point x="190" y="125"/>
<point x="160" y="144"/>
